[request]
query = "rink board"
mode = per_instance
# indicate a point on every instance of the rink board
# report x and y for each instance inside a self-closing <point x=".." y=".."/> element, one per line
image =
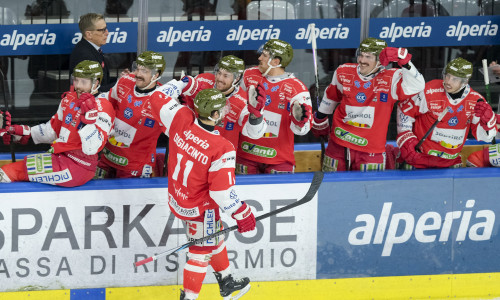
<point x="404" y="234"/>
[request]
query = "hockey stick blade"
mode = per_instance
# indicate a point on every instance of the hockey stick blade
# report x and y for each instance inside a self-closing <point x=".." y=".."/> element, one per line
<point x="313" y="189"/>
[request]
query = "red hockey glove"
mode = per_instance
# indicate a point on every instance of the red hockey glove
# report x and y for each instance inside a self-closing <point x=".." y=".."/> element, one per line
<point x="388" y="54"/>
<point x="17" y="134"/>
<point x="191" y="85"/>
<point x="483" y="111"/>
<point x="300" y="114"/>
<point x="406" y="142"/>
<point x="256" y="100"/>
<point x="244" y="218"/>
<point x="6" y="137"/>
<point x="320" y="127"/>
<point x="5" y="119"/>
<point x="88" y="108"/>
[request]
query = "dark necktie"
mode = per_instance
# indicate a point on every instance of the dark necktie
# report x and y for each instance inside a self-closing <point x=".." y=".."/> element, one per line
<point x="102" y="57"/>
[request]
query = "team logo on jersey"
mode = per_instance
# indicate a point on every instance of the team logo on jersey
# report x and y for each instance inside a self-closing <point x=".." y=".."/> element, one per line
<point x="384" y="97"/>
<point x="71" y="105"/>
<point x="128" y="113"/>
<point x="229" y="125"/>
<point x="460" y="108"/>
<point x="137" y="103"/>
<point x="268" y="100"/>
<point x="266" y="87"/>
<point x="129" y="99"/>
<point x="68" y="119"/>
<point x="361" y="97"/>
<point x="275" y="88"/>
<point x="453" y="121"/>
<point x="367" y="85"/>
<point x="149" y="123"/>
<point x="450" y="110"/>
<point x="357" y="84"/>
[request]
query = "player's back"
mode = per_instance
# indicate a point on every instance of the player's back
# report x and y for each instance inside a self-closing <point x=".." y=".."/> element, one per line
<point x="199" y="161"/>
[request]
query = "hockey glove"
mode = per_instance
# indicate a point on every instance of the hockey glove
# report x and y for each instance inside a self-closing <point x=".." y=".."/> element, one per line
<point x="18" y="134"/>
<point x="320" y="127"/>
<point x="406" y="142"/>
<point x="191" y="85"/>
<point x="389" y="54"/>
<point x="300" y="114"/>
<point x="244" y="218"/>
<point x="256" y="100"/>
<point x="88" y="108"/>
<point x="483" y="111"/>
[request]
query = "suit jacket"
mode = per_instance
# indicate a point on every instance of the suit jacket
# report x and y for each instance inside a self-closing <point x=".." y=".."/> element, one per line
<point x="84" y="50"/>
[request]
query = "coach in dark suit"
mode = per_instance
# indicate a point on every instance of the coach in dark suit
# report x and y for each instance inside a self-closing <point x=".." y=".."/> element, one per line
<point x="94" y="34"/>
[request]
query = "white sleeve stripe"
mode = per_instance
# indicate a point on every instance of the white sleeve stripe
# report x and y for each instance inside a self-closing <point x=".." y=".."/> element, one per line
<point x="167" y="113"/>
<point x="228" y="160"/>
<point x="43" y="133"/>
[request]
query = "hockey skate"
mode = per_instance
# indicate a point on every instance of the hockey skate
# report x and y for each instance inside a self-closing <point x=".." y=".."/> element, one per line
<point x="228" y="285"/>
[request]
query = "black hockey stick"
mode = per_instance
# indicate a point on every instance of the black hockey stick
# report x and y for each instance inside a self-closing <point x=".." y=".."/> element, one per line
<point x="440" y="117"/>
<point x="313" y="189"/>
<point x="316" y="82"/>
<point x="6" y="103"/>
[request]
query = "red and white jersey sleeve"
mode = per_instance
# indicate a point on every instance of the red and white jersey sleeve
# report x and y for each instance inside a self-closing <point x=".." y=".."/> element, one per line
<point x="277" y="143"/>
<point x="203" y="81"/>
<point x="419" y="113"/>
<point x="201" y="163"/>
<point x="251" y="76"/>
<point x="364" y="109"/>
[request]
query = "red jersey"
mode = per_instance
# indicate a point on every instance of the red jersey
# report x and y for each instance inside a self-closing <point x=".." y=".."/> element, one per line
<point x="277" y="144"/>
<point x="63" y="128"/>
<point x="200" y="163"/>
<point x="133" y="142"/>
<point x="362" y="117"/>
<point x="448" y="137"/>
<point x="232" y="124"/>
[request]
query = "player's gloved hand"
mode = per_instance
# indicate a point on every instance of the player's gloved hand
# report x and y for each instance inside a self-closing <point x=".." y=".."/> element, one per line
<point x="320" y="126"/>
<point x="190" y="84"/>
<point x="18" y="134"/>
<point x="5" y="119"/>
<point x="484" y="112"/>
<point x="88" y="108"/>
<point x="300" y="114"/>
<point x="244" y="218"/>
<point x="399" y="55"/>
<point x="406" y="142"/>
<point x="256" y="100"/>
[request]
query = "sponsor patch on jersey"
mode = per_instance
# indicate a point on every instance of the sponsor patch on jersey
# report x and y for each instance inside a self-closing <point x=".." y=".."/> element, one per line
<point x="258" y="150"/>
<point x="68" y="118"/>
<point x="128" y="113"/>
<point x="367" y="85"/>
<point x="361" y="117"/>
<point x="460" y="108"/>
<point x="137" y="103"/>
<point x="275" y="88"/>
<point x="149" y="123"/>
<point x="129" y="99"/>
<point x="273" y="121"/>
<point x="357" y="84"/>
<point x="229" y="125"/>
<point x="453" y="121"/>
<point x="349" y="137"/>
<point x="346" y="79"/>
<point x="71" y="105"/>
<point x="360" y="97"/>
<point x="384" y="97"/>
<point x="449" y="138"/>
<point x="268" y="100"/>
<point x="436" y="106"/>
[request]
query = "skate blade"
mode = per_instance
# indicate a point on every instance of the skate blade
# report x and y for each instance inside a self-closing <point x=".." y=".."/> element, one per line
<point x="242" y="292"/>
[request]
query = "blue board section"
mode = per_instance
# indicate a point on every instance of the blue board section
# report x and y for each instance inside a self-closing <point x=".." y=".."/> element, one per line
<point x="408" y="223"/>
<point x="88" y="294"/>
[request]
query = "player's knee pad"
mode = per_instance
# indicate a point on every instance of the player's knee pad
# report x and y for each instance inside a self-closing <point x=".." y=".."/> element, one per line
<point x="476" y="159"/>
<point x="330" y="164"/>
<point x="147" y="171"/>
<point x="201" y="227"/>
<point x="199" y="256"/>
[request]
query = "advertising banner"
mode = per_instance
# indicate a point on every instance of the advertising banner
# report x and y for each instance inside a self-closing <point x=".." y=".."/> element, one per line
<point x="61" y="38"/>
<point x="435" y="32"/>
<point x="76" y="238"/>
<point x="395" y="226"/>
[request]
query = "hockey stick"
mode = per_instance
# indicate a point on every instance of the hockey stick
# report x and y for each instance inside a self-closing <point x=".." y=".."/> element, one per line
<point x="313" y="189"/>
<point x="6" y="103"/>
<point x="440" y="117"/>
<point x="316" y="82"/>
<point x="486" y="81"/>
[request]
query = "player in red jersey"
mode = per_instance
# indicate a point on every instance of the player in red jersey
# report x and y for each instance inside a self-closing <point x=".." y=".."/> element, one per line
<point x="201" y="180"/>
<point x="287" y="112"/>
<point x="241" y="118"/>
<point x="463" y="109"/>
<point x="76" y="133"/>
<point x="131" y="149"/>
<point x="365" y="94"/>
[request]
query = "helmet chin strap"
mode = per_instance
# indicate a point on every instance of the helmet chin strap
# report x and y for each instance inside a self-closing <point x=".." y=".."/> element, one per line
<point x="374" y="70"/>
<point x="150" y="85"/>
<point x="270" y="67"/>
<point x="94" y="91"/>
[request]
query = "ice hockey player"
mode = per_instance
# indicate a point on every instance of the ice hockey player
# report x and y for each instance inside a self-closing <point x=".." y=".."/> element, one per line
<point x="201" y="180"/>
<point x="228" y="74"/>
<point x="287" y="112"/>
<point x="77" y="132"/>
<point x="465" y="110"/>
<point x="131" y="149"/>
<point x="365" y="93"/>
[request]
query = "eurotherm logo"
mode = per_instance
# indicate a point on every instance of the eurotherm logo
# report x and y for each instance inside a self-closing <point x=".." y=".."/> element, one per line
<point x="430" y="227"/>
